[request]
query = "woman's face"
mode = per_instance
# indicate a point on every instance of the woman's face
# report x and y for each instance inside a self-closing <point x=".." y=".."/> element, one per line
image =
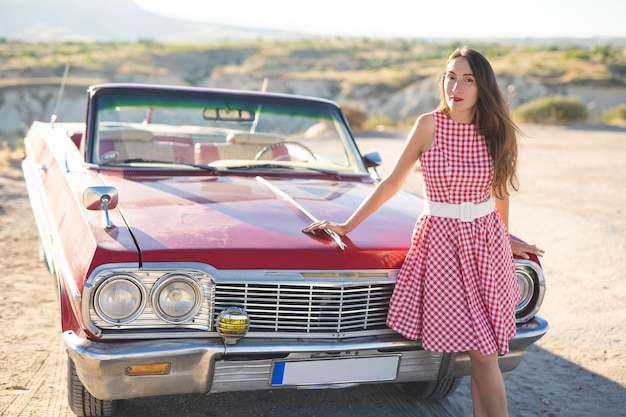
<point x="461" y="90"/>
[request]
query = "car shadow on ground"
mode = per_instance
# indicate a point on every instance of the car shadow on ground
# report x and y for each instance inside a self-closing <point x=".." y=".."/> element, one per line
<point x="543" y="385"/>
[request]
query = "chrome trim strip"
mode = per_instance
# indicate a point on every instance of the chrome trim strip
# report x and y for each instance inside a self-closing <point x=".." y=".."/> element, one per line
<point x="259" y="276"/>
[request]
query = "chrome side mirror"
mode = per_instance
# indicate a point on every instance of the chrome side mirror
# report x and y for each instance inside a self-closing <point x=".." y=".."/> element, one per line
<point x="373" y="161"/>
<point x="101" y="198"/>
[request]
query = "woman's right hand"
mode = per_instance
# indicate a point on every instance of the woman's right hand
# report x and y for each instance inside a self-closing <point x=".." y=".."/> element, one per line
<point x="340" y="229"/>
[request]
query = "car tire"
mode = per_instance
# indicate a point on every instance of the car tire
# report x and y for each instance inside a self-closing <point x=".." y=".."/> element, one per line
<point x="431" y="390"/>
<point x="81" y="402"/>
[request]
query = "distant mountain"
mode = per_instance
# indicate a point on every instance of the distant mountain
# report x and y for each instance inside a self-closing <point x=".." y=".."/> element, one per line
<point x="110" y="20"/>
<point x="123" y="21"/>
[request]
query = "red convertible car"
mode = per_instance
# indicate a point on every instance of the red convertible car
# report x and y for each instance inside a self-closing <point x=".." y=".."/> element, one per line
<point x="172" y="219"/>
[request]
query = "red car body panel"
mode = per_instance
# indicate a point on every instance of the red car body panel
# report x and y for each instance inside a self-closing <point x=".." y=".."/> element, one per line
<point x="237" y="222"/>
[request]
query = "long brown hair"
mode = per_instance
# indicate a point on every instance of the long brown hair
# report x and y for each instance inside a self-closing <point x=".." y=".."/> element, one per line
<point x="492" y="119"/>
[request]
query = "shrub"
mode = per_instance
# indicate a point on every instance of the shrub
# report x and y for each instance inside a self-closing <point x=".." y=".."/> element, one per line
<point x="553" y="109"/>
<point x="379" y="120"/>
<point x="356" y="115"/>
<point x="615" y="115"/>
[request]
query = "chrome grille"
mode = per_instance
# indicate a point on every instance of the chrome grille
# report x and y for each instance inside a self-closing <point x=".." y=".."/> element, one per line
<point x="305" y="308"/>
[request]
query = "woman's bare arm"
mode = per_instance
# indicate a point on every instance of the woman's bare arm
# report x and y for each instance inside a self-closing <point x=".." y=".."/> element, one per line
<point x="419" y="139"/>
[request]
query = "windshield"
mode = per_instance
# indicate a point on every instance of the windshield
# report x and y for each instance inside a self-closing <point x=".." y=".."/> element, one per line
<point x="224" y="131"/>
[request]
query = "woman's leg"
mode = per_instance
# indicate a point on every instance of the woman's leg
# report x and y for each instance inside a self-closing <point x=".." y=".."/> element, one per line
<point x="477" y="402"/>
<point x="487" y="386"/>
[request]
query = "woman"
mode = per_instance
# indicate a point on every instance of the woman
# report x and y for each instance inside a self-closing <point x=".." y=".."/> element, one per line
<point x="457" y="288"/>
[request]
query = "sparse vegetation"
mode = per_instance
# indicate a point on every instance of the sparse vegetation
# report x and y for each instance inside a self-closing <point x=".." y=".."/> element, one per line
<point x="393" y="61"/>
<point x="374" y="68"/>
<point x="554" y="109"/>
<point x="10" y="160"/>
<point x="377" y="121"/>
<point x="615" y="115"/>
<point x="356" y="115"/>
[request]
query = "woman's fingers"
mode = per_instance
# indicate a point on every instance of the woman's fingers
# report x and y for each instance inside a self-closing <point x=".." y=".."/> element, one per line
<point x="523" y="249"/>
<point x="324" y="224"/>
<point x="318" y="225"/>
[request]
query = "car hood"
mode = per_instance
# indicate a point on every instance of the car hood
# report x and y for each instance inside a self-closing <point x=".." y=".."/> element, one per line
<point x="252" y="222"/>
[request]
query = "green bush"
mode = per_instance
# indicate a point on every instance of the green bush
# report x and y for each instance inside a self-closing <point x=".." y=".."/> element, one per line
<point x="615" y="115"/>
<point x="379" y="120"/>
<point x="356" y="115"/>
<point x="554" y="109"/>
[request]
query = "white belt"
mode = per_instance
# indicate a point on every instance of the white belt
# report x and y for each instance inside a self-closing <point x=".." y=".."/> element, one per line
<point x="466" y="212"/>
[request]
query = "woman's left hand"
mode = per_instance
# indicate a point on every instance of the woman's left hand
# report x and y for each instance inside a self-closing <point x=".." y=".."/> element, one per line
<point x="523" y="249"/>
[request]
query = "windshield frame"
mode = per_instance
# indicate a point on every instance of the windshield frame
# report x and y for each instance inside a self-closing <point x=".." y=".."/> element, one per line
<point x="251" y="105"/>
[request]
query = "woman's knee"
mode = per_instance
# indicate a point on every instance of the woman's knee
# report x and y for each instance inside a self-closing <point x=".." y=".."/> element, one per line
<point x="483" y="361"/>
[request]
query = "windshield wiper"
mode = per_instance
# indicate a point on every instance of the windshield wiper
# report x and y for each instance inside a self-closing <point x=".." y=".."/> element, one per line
<point x="281" y="166"/>
<point x="157" y="161"/>
<point x="260" y="166"/>
<point x="321" y="170"/>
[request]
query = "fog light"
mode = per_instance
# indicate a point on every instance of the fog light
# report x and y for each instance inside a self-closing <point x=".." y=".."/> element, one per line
<point x="232" y="324"/>
<point x="149" y="369"/>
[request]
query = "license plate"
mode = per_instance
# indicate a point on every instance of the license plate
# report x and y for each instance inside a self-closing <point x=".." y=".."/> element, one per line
<point x="335" y="371"/>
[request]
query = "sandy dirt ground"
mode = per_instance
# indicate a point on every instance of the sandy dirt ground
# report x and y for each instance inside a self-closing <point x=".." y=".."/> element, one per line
<point x="572" y="203"/>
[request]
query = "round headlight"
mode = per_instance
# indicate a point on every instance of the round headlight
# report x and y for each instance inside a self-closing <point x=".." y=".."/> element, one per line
<point x="526" y="285"/>
<point x="120" y="299"/>
<point x="176" y="297"/>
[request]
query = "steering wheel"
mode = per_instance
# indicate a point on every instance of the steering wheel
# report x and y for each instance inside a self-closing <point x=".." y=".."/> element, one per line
<point x="286" y="145"/>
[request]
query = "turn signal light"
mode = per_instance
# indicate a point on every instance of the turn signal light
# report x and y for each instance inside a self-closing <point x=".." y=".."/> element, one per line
<point x="149" y="369"/>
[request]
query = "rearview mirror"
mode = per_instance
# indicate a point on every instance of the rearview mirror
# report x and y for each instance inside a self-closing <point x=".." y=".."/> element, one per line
<point x="228" y="115"/>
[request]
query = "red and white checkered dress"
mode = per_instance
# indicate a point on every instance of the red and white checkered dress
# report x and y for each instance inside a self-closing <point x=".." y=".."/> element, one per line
<point x="457" y="288"/>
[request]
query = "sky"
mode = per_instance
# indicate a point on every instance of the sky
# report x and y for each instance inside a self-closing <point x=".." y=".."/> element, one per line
<point x="410" y="19"/>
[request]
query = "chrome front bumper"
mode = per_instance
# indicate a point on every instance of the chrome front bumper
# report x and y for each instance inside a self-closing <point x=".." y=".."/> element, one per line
<point x="209" y="365"/>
